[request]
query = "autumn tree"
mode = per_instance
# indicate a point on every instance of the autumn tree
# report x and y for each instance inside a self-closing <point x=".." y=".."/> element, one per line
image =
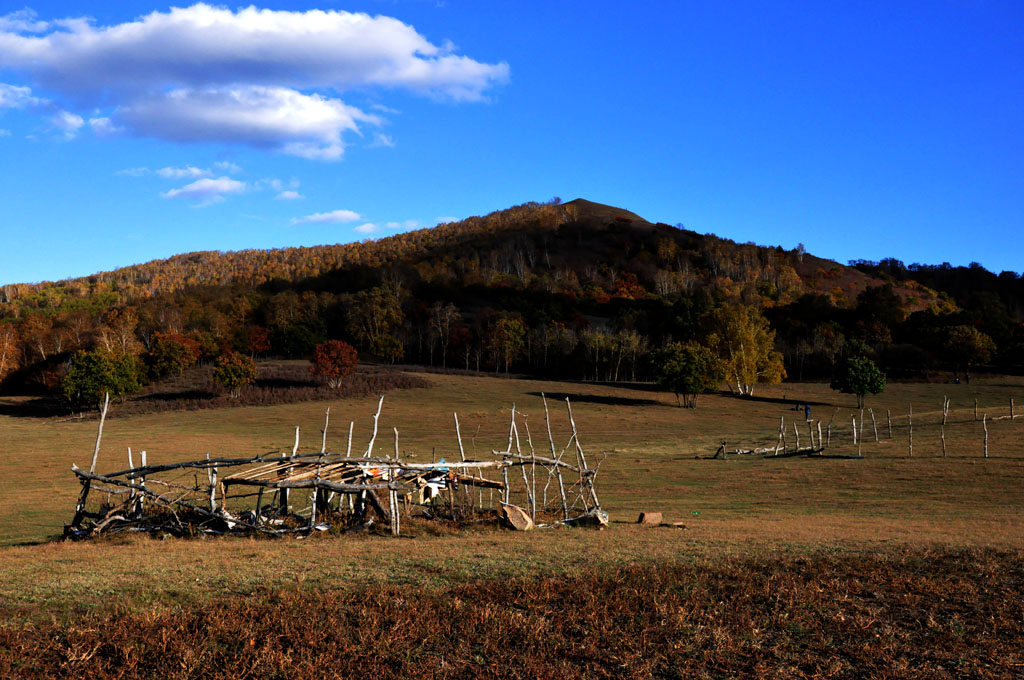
<point x="741" y="337"/>
<point x="9" y="349"/>
<point x="373" y="314"/>
<point x="172" y="353"/>
<point x="333" y="360"/>
<point x="234" y="371"/>
<point x="443" y="319"/>
<point x="689" y="370"/>
<point x="388" y="348"/>
<point x="858" y="375"/>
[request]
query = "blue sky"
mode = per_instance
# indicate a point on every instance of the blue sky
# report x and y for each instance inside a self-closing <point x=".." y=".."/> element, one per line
<point x="861" y="129"/>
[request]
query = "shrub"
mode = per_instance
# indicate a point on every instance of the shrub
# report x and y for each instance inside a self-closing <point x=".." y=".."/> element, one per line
<point x="234" y="371"/>
<point x="333" y="360"/>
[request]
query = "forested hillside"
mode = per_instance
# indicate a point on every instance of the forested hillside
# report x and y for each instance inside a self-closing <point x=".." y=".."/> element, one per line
<point x="571" y="290"/>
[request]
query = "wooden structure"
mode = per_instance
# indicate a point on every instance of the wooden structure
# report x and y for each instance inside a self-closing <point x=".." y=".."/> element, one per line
<point x="293" y="492"/>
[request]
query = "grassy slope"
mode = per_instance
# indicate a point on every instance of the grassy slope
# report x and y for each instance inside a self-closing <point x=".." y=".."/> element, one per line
<point x="872" y="522"/>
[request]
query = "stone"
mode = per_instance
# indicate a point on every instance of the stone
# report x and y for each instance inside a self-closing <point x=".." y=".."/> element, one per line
<point x="518" y="518"/>
<point x="649" y="518"/>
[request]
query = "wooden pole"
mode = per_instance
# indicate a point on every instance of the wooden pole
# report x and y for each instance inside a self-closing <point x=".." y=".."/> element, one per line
<point x="348" y="449"/>
<point x="819" y="436"/>
<point x="373" y="438"/>
<point x="458" y="435"/>
<point x="984" y="424"/>
<point x="585" y="479"/>
<point x="1012" y="416"/>
<point x="874" y="425"/>
<point x="945" y="408"/>
<point x="910" y="430"/>
<point x="975" y="408"/>
<point x="782" y="426"/>
<point x="558" y="470"/>
<point x="99" y="432"/>
<point x="323" y="441"/>
<point x="942" y="435"/>
<point x="853" y="420"/>
<point x="888" y="420"/>
<point x="810" y="433"/>
<point x="796" y="432"/>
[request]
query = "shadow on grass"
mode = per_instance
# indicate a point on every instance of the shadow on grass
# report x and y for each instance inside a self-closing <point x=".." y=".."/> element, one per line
<point x="599" y="399"/>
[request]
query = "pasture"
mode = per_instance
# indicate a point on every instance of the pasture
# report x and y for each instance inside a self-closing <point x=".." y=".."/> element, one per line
<point x="918" y="530"/>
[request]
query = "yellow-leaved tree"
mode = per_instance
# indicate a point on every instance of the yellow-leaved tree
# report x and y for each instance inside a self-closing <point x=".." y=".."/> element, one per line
<point x="743" y="340"/>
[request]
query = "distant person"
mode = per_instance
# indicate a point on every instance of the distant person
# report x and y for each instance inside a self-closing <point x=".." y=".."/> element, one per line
<point x="956" y="381"/>
<point x="807" y="411"/>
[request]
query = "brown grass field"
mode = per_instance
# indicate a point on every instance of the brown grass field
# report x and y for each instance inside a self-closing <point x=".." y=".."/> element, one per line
<point x="885" y="566"/>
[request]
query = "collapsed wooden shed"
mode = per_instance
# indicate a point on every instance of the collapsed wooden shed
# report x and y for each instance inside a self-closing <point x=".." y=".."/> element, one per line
<point x="297" y="493"/>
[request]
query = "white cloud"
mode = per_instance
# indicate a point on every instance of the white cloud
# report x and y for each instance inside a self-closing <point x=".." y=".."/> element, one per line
<point x="17" y="97"/>
<point x="289" y="195"/>
<point x="227" y="166"/>
<point x="333" y="217"/>
<point x="207" y="190"/>
<point x="179" y="173"/>
<point x="103" y="127"/>
<point x="22" y="21"/>
<point x="380" y="139"/>
<point x="134" y="172"/>
<point x="367" y="228"/>
<point x="67" y="123"/>
<point x="264" y="78"/>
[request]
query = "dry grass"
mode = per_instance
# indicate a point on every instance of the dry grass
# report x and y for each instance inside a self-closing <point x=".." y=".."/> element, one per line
<point x="921" y="527"/>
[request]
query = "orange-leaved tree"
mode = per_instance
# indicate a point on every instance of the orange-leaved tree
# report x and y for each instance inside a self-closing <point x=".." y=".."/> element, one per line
<point x="332" y="361"/>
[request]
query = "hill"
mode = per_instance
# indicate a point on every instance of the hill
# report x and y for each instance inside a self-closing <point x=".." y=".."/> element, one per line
<point x="576" y="289"/>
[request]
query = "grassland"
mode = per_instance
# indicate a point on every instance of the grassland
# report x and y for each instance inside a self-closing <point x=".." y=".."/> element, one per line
<point x="774" y="540"/>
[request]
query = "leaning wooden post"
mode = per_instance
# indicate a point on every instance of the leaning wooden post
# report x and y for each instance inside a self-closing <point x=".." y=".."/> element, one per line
<point x="888" y="420"/>
<point x="945" y="408"/>
<point x="810" y="434"/>
<point x="910" y="430"/>
<point x="796" y="432"/>
<point x="853" y="420"/>
<point x="376" y="417"/>
<point x="874" y="425"/>
<point x="1012" y="416"/>
<point x="558" y="469"/>
<point x="782" y="425"/>
<point x="819" y="437"/>
<point x="975" y="408"/>
<point x="348" y="449"/>
<point x="585" y="471"/>
<point x="327" y="420"/>
<point x="99" y="432"/>
<point x="942" y="436"/>
<point x="984" y="424"/>
<point x="393" y="493"/>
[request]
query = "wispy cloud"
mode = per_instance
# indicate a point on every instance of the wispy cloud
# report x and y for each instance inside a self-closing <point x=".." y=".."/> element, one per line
<point x="264" y="78"/>
<point x="382" y="140"/>
<point x="179" y="173"/>
<point x="289" y="195"/>
<point x="207" y="190"/>
<point x="332" y="217"/>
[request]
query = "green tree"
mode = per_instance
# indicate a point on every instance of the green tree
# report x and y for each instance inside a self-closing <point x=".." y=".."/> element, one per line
<point x="507" y="340"/>
<point x="93" y="374"/>
<point x="689" y="370"/>
<point x="858" y="375"/>
<point x="966" y="346"/>
<point x="372" y="314"/>
<point x="333" y="360"/>
<point x="388" y="348"/>
<point x="234" y="371"/>
<point x="741" y="337"/>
